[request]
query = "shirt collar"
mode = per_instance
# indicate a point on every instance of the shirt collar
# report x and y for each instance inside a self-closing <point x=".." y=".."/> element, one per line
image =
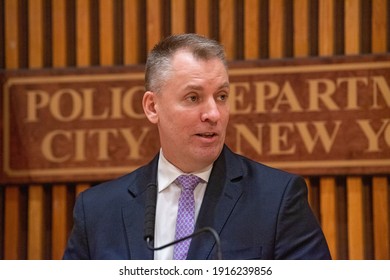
<point x="167" y="172"/>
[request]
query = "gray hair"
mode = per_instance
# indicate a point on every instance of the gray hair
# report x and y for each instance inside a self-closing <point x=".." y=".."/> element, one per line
<point x="158" y="63"/>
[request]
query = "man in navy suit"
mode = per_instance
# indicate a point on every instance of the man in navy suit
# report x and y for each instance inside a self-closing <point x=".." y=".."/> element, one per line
<point x="258" y="212"/>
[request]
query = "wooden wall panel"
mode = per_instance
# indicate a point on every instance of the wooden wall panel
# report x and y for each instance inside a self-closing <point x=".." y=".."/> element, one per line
<point x="203" y="17"/>
<point x="36" y="223"/>
<point x="2" y="215"/>
<point x="251" y="27"/>
<point x="301" y="28"/>
<point x="36" y="198"/>
<point x="14" y="223"/>
<point x="132" y="31"/>
<point x="178" y="16"/>
<point x="61" y="224"/>
<point x="354" y="211"/>
<point x="326" y="27"/>
<point x="35" y="33"/>
<point x="154" y="22"/>
<point x="227" y="25"/>
<point x="11" y="27"/>
<point x="59" y="33"/>
<point x="276" y="29"/>
<point x="381" y="217"/>
<point x="352" y="26"/>
<point x="355" y="218"/>
<point x="83" y="29"/>
<point x="328" y="202"/>
<point x="380" y="25"/>
<point x="107" y="31"/>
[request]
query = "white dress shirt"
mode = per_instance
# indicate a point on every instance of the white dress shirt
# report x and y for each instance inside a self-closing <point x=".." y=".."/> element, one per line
<point x="167" y="204"/>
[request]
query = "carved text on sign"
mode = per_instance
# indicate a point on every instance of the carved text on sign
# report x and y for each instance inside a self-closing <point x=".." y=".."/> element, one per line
<point x="329" y="116"/>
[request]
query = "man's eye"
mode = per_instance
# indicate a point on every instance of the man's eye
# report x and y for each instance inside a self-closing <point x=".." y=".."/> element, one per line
<point x="192" y="98"/>
<point x="223" y="97"/>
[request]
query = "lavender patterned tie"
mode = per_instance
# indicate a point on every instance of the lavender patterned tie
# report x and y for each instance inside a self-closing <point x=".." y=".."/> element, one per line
<point x="185" y="222"/>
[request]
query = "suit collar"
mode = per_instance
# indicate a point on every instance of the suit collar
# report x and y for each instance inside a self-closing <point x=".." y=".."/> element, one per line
<point x="222" y="193"/>
<point x="134" y="213"/>
<point x="145" y="175"/>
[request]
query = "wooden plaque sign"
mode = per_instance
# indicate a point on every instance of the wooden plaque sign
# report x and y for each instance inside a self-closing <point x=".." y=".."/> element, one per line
<point x="308" y="116"/>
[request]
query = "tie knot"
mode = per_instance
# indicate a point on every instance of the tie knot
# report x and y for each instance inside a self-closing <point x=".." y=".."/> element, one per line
<point x="188" y="182"/>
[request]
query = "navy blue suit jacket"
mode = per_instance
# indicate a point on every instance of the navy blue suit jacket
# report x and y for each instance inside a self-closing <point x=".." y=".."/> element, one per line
<point x="259" y="213"/>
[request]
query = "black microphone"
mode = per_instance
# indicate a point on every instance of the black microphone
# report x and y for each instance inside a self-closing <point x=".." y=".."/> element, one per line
<point x="150" y="211"/>
<point x="150" y="216"/>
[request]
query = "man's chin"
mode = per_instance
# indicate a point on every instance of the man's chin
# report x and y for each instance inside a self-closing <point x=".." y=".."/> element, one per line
<point x="207" y="156"/>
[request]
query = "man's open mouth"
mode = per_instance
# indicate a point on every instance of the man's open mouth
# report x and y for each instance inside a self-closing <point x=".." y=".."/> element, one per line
<point x="207" y="134"/>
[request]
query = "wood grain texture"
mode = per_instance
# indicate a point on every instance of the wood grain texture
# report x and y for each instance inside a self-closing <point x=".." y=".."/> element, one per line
<point x="329" y="213"/>
<point x="83" y="29"/>
<point x="276" y="29"/>
<point x="36" y="219"/>
<point x="381" y="213"/>
<point x="301" y="28"/>
<point x="226" y="27"/>
<point x="326" y="27"/>
<point x="251" y="27"/>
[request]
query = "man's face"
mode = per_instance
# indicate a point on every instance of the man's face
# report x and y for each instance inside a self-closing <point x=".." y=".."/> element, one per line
<point x="192" y="111"/>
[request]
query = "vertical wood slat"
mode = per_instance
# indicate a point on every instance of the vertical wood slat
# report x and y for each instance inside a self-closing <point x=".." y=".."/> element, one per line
<point x="301" y="48"/>
<point x="131" y="30"/>
<point x="379" y="25"/>
<point x="352" y="27"/>
<point x="83" y="29"/>
<point x="11" y="34"/>
<point x="178" y="16"/>
<point x="106" y="32"/>
<point x="59" y="33"/>
<point x="355" y="192"/>
<point x="59" y="193"/>
<point x="276" y="29"/>
<point x="36" y="223"/>
<point x="326" y="27"/>
<point x="381" y="213"/>
<point x="226" y="25"/>
<point x="12" y="194"/>
<point x="355" y="203"/>
<point x="301" y="28"/>
<point x="202" y="17"/>
<point x="60" y="220"/>
<point x="2" y="215"/>
<point x="35" y="32"/>
<point x="251" y="27"/>
<point x="35" y="215"/>
<point x="328" y="210"/>
<point x="13" y="243"/>
<point x="153" y="23"/>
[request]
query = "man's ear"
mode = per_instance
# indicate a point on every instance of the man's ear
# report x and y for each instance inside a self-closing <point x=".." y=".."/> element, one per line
<point x="149" y="106"/>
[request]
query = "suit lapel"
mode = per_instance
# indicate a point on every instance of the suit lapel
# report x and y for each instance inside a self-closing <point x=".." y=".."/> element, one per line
<point x="134" y="213"/>
<point x="222" y="193"/>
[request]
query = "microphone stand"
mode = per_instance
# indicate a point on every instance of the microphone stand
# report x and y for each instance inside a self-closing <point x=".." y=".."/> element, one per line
<point x="150" y="206"/>
<point x="149" y="240"/>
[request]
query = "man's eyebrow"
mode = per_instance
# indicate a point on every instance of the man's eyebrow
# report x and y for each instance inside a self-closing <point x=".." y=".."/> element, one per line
<point x="198" y="87"/>
<point x="194" y="87"/>
<point x="225" y="85"/>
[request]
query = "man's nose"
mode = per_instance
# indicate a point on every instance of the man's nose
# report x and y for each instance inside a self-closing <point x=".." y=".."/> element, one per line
<point x="210" y="111"/>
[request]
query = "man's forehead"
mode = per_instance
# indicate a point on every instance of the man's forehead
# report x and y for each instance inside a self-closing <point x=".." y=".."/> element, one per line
<point x="186" y="53"/>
